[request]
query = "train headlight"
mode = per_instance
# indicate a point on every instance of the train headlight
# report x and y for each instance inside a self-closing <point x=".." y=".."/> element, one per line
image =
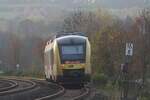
<point x="62" y="65"/>
<point x="82" y="65"/>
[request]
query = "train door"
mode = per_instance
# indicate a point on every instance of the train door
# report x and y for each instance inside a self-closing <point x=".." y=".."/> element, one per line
<point x="52" y="63"/>
<point x="46" y="65"/>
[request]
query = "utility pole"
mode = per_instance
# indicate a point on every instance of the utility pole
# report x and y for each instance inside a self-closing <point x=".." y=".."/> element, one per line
<point x="124" y="81"/>
<point x="145" y="46"/>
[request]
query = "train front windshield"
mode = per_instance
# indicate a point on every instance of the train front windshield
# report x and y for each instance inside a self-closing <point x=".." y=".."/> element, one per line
<point x="69" y="50"/>
<point x="72" y="53"/>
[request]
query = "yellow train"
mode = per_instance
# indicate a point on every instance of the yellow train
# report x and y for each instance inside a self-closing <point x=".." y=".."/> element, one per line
<point x="67" y="59"/>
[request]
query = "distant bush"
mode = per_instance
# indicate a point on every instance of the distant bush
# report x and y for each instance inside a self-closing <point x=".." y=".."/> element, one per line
<point x="144" y="98"/>
<point x="18" y="73"/>
<point x="100" y="79"/>
<point x="146" y="95"/>
<point x="33" y="74"/>
<point x="8" y="72"/>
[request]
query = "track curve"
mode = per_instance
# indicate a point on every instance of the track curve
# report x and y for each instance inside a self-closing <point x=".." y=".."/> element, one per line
<point x="59" y="93"/>
<point x="36" y="89"/>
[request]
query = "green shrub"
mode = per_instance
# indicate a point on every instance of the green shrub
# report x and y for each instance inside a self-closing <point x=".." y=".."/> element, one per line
<point x="8" y="72"/>
<point x="18" y="73"/>
<point x="100" y="79"/>
<point x="146" y="95"/>
<point x="144" y="98"/>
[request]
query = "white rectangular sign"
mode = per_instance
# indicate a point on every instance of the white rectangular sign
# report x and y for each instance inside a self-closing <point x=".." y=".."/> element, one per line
<point x="129" y="49"/>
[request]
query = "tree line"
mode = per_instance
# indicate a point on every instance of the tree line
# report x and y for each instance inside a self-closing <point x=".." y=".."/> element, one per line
<point x="109" y="34"/>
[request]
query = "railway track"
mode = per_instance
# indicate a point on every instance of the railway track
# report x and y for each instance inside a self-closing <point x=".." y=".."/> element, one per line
<point x="85" y="92"/>
<point x="33" y="89"/>
<point x="67" y="94"/>
<point x="60" y="91"/>
<point x="74" y="94"/>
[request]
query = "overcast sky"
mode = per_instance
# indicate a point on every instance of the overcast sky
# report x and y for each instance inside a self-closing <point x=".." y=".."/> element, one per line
<point x="96" y="3"/>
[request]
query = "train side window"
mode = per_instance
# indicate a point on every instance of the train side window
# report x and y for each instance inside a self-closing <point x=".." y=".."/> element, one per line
<point x="49" y="58"/>
<point x="46" y="58"/>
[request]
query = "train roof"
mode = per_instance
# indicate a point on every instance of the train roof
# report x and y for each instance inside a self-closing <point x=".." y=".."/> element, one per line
<point x="71" y="39"/>
<point x="67" y="39"/>
<point x="69" y="33"/>
<point x="63" y="36"/>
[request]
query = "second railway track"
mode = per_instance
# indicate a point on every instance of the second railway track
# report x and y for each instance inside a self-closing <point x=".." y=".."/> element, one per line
<point x="6" y="85"/>
<point x="28" y="89"/>
<point x="15" y="86"/>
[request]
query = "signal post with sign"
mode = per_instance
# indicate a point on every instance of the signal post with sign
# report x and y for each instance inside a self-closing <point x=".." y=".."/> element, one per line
<point x="125" y="70"/>
<point x="129" y="49"/>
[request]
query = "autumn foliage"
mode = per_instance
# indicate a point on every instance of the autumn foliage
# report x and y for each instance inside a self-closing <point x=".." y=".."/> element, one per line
<point x="109" y="35"/>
